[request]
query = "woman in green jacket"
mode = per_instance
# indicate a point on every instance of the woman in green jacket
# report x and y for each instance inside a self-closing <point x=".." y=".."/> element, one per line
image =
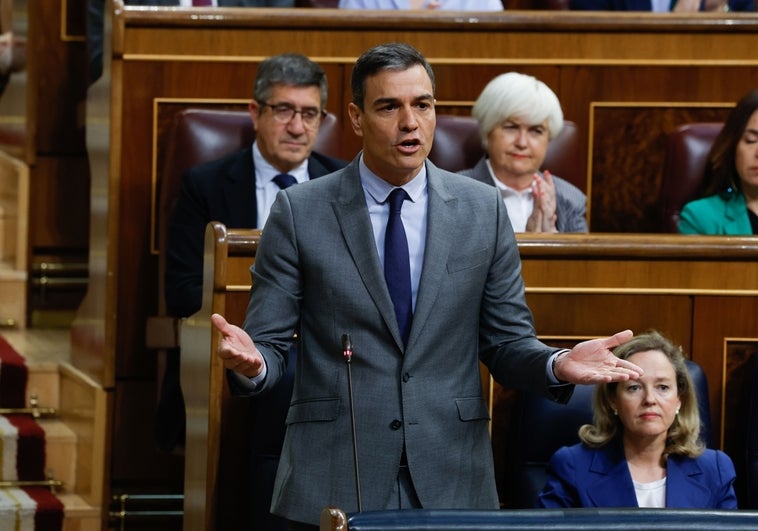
<point x="729" y="197"/>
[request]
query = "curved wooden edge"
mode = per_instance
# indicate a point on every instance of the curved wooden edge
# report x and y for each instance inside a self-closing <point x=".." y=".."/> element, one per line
<point x="202" y="384"/>
<point x="214" y="261"/>
<point x="202" y="376"/>
<point x="510" y="20"/>
<point x="333" y="519"/>
<point x="631" y="246"/>
<point x="243" y="242"/>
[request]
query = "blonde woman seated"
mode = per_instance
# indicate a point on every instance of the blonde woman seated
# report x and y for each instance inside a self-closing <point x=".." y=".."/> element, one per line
<point x="518" y="115"/>
<point x="642" y="449"/>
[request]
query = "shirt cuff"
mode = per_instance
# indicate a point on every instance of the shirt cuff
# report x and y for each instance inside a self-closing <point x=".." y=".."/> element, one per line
<point x="549" y="372"/>
<point x="257" y="380"/>
<point x="243" y="385"/>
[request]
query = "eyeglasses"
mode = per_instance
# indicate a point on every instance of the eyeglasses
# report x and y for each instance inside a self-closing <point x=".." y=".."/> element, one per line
<point x="284" y="113"/>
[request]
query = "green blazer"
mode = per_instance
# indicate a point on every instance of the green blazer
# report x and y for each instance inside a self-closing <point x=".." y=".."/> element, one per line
<point x="716" y="215"/>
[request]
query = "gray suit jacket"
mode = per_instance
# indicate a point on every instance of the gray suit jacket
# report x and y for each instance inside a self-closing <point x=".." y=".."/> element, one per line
<point x="571" y="203"/>
<point x="317" y="273"/>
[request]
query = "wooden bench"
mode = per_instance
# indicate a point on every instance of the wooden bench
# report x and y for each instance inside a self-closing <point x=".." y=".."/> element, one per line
<point x="210" y="409"/>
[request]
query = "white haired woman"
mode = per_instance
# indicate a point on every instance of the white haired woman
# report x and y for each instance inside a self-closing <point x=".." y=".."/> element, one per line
<point x="518" y="115"/>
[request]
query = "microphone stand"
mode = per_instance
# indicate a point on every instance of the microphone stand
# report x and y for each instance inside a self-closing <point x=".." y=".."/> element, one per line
<point x="347" y="353"/>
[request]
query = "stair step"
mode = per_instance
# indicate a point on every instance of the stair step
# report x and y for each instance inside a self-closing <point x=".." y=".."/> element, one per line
<point x="60" y="449"/>
<point x="43" y="383"/>
<point x="47" y="353"/>
<point x="78" y="515"/>
<point x="43" y="351"/>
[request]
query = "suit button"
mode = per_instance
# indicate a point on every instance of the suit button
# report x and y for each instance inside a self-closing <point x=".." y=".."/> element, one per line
<point x="406" y="377"/>
<point x="396" y="424"/>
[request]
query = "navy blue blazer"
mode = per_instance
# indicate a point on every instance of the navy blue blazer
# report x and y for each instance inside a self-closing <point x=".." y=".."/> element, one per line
<point x="579" y="476"/>
<point x="221" y="190"/>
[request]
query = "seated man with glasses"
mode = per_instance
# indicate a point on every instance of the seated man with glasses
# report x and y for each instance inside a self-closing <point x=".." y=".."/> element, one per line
<point x="287" y="108"/>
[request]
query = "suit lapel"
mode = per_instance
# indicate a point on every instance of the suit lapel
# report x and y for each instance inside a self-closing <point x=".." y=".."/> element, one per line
<point x="441" y="215"/>
<point x="315" y="168"/>
<point x="613" y="485"/>
<point x="481" y="173"/>
<point x="737" y="220"/>
<point x="239" y="192"/>
<point x="352" y="214"/>
<point x="683" y="488"/>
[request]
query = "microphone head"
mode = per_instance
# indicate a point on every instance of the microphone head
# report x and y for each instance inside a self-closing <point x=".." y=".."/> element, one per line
<point x="347" y="346"/>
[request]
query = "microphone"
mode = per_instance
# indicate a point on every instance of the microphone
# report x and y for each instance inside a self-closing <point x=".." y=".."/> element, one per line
<point x="347" y="353"/>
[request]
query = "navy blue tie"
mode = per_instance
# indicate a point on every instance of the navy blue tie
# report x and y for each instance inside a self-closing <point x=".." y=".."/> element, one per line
<point x="397" y="265"/>
<point x="285" y="180"/>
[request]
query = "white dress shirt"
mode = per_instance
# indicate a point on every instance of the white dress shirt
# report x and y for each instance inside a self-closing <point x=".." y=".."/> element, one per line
<point x="265" y="187"/>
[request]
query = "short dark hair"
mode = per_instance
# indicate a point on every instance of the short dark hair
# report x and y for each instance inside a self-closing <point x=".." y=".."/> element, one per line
<point x="390" y="56"/>
<point x="721" y="175"/>
<point x="291" y="69"/>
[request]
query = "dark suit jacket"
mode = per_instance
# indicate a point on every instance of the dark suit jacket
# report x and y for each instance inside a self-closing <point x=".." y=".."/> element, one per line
<point x="222" y="190"/>
<point x="571" y="203"/>
<point x="579" y="476"/>
<point x="317" y="272"/>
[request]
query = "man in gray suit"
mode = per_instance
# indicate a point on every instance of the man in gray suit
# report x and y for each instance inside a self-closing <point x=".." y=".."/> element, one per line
<point x="421" y="419"/>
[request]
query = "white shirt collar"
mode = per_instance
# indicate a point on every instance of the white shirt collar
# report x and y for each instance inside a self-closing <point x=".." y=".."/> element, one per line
<point x="265" y="171"/>
<point x="379" y="189"/>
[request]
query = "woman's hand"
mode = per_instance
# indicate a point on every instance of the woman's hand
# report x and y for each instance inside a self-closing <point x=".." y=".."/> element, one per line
<point x="543" y="218"/>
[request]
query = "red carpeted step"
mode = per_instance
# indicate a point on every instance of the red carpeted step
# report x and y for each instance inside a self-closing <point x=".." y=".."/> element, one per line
<point x="13" y="377"/>
<point x="23" y="448"/>
<point x="22" y="454"/>
<point x="31" y="508"/>
<point x="49" y="514"/>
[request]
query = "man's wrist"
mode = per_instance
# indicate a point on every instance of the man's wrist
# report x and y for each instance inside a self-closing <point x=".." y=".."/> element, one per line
<point x="558" y="356"/>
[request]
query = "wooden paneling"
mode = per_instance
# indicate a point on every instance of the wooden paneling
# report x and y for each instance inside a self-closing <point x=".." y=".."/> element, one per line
<point x="58" y="210"/>
<point x="55" y="148"/>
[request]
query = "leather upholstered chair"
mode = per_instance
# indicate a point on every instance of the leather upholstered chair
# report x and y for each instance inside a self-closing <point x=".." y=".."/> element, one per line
<point x="202" y="135"/>
<point x="198" y="136"/>
<point x="686" y="155"/>
<point x="543" y="426"/>
<point x="457" y="146"/>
